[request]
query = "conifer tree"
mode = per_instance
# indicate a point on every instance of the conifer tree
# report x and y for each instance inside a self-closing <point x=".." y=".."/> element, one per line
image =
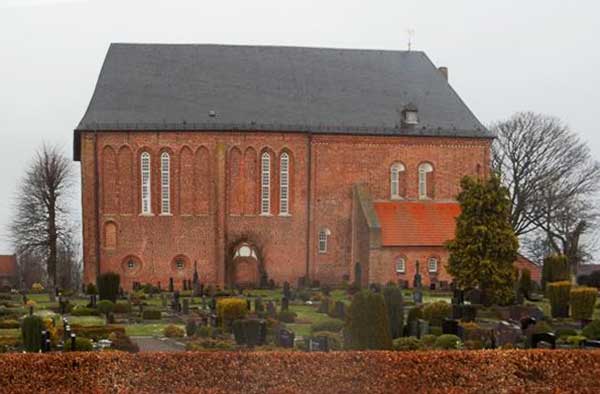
<point x="367" y="322"/>
<point x="485" y="247"/>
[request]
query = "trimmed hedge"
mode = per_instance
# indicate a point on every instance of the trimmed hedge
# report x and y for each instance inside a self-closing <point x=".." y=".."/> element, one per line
<point x="151" y="314"/>
<point x="295" y="372"/>
<point x="108" y="286"/>
<point x="367" y="322"/>
<point x="559" y="295"/>
<point x="331" y="325"/>
<point x="436" y="312"/>
<point x="583" y="300"/>
<point x="231" y="309"/>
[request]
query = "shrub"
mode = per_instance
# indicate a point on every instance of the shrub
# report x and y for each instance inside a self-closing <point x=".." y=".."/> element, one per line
<point x="575" y="340"/>
<point x="555" y="269"/>
<point x="559" y="294"/>
<point x="108" y="286"/>
<point x="191" y="327"/>
<point x="151" y="314"/>
<point x="37" y="288"/>
<point x="287" y="316"/>
<point x="82" y="345"/>
<point x="230" y="309"/>
<point x="333" y="339"/>
<point x="437" y="331"/>
<point x="9" y="323"/>
<point x="436" y="312"/>
<point x="394" y="306"/>
<point x="592" y="330"/>
<point x="173" y="331"/>
<point x="525" y="285"/>
<point x="204" y="332"/>
<point x="258" y="305"/>
<point x="473" y="344"/>
<point x="330" y="325"/>
<point x="415" y="313"/>
<point x="583" y="300"/>
<point x="565" y="332"/>
<point x="407" y="344"/>
<point x="120" y="341"/>
<point x="428" y="340"/>
<point x="80" y="310"/>
<point x="368" y="322"/>
<point x="447" y="341"/>
<point x="106" y="307"/>
<point x="122" y="307"/>
<point x="93" y="332"/>
<point x="542" y="327"/>
<point x="31" y="331"/>
<point x="209" y="344"/>
<point x="247" y="331"/>
<point x="91" y="289"/>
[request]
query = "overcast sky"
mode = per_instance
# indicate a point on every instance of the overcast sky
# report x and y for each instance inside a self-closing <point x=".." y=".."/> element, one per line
<point x="503" y="56"/>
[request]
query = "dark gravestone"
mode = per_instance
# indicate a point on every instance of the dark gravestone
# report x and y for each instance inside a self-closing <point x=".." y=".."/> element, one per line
<point x="285" y="304"/>
<point x="450" y="326"/>
<point x="262" y="333"/>
<point x="324" y="306"/>
<point x="413" y="328"/>
<point x="248" y="305"/>
<point x="458" y="297"/>
<point x="474" y="296"/>
<point x="590" y="343"/>
<point x="318" y="344"/>
<point x="213" y="303"/>
<point x="546" y="337"/>
<point x="340" y="310"/>
<point x="444" y="285"/>
<point x="432" y="286"/>
<point x="213" y="320"/>
<point x="171" y="288"/>
<point x="506" y="333"/>
<point x="423" y="328"/>
<point x="184" y="282"/>
<point x="526" y="322"/>
<point x="468" y="312"/>
<point x="271" y="309"/>
<point x="457" y="311"/>
<point x="186" y="306"/>
<point x="287" y="293"/>
<point x="286" y="338"/>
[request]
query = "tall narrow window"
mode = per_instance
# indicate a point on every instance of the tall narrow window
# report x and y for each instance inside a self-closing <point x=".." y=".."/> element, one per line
<point x="145" y="167"/>
<point x="400" y="265"/>
<point x="265" y="189"/>
<point x="165" y="183"/>
<point x="425" y="181"/>
<point x="284" y="184"/>
<point x="396" y="189"/>
<point x="323" y="238"/>
<point x="432" y="264"/>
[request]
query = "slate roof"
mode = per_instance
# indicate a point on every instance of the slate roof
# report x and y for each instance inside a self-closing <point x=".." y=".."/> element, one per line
<point x="172" y="87"/>
<point x="416" y="223"/>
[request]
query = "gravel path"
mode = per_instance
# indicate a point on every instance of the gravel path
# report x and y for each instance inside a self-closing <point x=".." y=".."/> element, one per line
<point x="151" y="344"/>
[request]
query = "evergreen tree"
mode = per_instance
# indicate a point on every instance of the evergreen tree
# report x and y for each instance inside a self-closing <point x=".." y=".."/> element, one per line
<point x="395" y="309"/>
<point x="485" y="247"/>
<point x="367" y="322"/>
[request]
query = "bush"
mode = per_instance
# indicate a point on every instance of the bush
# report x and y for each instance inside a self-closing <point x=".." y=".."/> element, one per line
<point x="435" y="330"/>
<point x="151" y="314"/>
<point x="473" y="344"/>
<point x="407" y="344"/>
<point x="108" y="286"/>
<point x="230" y="309"/>
<point x="31" y="331"/>
<point x="82" y="345"/>
<point x="583" y="300"/>
<point x="93" y="332"/>
<point x="106" y="307"/>
<point x="575" y="340"/>
<point x="330" y="325"/>
<point x="210" y="344"/>
<point x="122" y="307"/>
<point x="542" y="327"/>
<point x="555" y="269"/>
<point x="447" y="341"/>
<point x="565" y="332"/>
<point x="429" y="340"/>
<point x="248" y="332"/>
<point x="91" y="289"/>
<point x="559" y="294"/>
<point x="120" y="341"/>
<point x="37" y="288"/>
<point x="525" y="285"/>
<point x="436" y="312"/>
<point x="173" y="331"/>
<point x="368" y="323"/>
<point x="191" y="327"/>
<point x="287" y="316"/>
<point x="592" y="330"/>
<point x="80" y="310"/>
<point x="415" y="313"/>
<point x="9" y="323"/>
<point x="394" y="306"/>
<point x="333" y="339"/>
<point x="204" y="332"/>
<point x="592" y="280"/>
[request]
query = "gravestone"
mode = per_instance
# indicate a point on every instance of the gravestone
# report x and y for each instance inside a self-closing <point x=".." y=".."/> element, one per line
<point x="324" y="306"/>
<point x="546" y="337"/>
<point x="184" y="282"/>
<point x="186" y="306"/>
<point x="248" y="305"/>
<point x="590" y="343"/>
<point x="450" y="326"/>
<point x="340" y="310"/>
<point x="171" y="288"/>
<point x="506" y="333"/>
<point x="271" y="309"/>
<point x="417" y="292"/>
<point x="444" y="285"/>
<point x="163" y="300"/>
<point x="213" y="303"/>
<point x="423" y="326"/>
<point x="285" y="304"/>
<point x="474" y="296"/>
<point x="286" y="290"/>
<point x="286" y="338"/>
<point x="258" y="305"/>
<point x="432" y="286"/>
<point x="213" y="320"/>
<point x="413" y="328"/>
<point x="318" y="344"/>
<point x="526" y="322"/>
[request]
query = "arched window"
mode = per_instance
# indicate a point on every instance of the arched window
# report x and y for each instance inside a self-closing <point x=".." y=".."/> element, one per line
<point x="145" y="168"/>
<point x="323" y="240"/>
<point x="425" y="181"/>
<point x="400" y="265"/>
<point x="284" y="184"/>
<point x="110" y="235"/>
<point x="165" y="183"/>
<point x="265" y="189"/>
<point x="432" y="264"/>
<point x="396" y="186"/>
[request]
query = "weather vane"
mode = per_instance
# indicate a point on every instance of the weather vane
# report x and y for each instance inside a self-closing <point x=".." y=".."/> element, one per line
<point x="411" y="38"/>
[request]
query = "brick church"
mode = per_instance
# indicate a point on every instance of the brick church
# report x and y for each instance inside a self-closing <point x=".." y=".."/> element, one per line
<point x="254" y="162"/>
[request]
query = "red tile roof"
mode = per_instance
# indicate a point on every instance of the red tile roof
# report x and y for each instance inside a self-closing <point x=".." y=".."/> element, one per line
<point x="405" y="223"/>
<point x="8" y="265"/>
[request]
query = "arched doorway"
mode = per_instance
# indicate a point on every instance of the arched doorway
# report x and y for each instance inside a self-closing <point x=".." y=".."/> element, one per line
<point x="245" y="267"/>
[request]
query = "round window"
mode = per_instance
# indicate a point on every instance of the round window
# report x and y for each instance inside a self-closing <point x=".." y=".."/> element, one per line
<point x="179" y="264"/>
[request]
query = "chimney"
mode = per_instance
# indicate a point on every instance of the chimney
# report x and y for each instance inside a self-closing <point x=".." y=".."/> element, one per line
<point x="444" y="71"/>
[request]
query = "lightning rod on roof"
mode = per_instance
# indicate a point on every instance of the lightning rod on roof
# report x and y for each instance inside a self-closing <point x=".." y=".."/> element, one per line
<point x="411" y="37"/>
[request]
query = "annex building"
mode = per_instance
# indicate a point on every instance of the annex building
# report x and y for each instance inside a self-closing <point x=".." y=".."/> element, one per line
<point x="272" y="162"/>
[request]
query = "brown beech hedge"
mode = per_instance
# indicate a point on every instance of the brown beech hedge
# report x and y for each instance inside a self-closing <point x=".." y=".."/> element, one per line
<point x="511" y="371"/>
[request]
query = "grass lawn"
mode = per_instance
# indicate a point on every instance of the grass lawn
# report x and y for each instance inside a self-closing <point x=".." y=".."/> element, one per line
<point x="307" y="315"/>
<point x="87" y="320"/>
<point x="147" y="329"/>
<point x="10" y="332"/>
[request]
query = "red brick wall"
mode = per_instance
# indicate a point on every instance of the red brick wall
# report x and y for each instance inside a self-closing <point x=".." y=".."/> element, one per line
<point x="215" y="189"/>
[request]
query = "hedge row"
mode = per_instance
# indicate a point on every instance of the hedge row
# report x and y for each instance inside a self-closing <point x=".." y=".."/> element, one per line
<point x="530" y="371"/>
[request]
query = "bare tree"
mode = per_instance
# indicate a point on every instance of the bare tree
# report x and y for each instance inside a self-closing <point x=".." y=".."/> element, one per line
<point x="41" y="223"/>
<point x="552" y="179"/>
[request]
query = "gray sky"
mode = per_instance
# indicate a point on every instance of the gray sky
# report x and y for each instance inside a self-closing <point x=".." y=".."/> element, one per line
<point x="503" y="56"/>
